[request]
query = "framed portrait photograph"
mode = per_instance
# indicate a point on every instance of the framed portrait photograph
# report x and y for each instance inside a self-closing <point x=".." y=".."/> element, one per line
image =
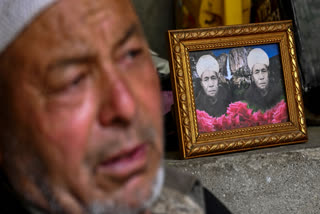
<point x="236" y="88"/>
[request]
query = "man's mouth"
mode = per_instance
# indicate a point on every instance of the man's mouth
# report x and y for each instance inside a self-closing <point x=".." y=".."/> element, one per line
<point x="263" y="84"/>
<point x="125" y="163"/>
<point x="212" y="92"/>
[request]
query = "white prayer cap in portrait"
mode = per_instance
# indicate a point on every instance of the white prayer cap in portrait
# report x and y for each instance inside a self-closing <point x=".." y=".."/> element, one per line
<point x="207" y="63"/>
<point x="257" y="56"/>
<point x="15" y="15"/>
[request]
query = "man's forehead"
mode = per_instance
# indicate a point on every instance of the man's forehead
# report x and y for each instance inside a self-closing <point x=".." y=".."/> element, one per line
<point x="76" y="19"/>
<point x="259" y="66"/>
<point x="64" y="13"/>
<point x="210" y="73"/>
<point x="88" y="11"/>
<point x="95" y="10"/>
<point x="70" y="20"/>
<point x="61" y="30"/>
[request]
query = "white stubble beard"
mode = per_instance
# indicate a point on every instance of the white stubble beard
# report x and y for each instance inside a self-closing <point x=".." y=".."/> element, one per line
<point x="109" y="207"/>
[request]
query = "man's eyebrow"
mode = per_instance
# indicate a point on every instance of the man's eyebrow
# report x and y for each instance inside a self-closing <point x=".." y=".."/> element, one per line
<point x="133" y="29"/>
<point x="65" y="62"/>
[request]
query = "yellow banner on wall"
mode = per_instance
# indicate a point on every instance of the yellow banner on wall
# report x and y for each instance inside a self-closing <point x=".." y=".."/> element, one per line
<point x="209" y="13"/>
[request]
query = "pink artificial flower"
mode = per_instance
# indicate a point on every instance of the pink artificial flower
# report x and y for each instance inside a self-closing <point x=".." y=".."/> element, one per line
<point x="234" y="108"/>
<point x="241" y="109"/>
<point x="240" y="116"/>
<point x="204" y="122"/>
<point x="217" y="126"/>
<point x="224" y="122"/>
<point x="259" y="118"/>
<point x="280" y="114"/>
<point x="235" y="121"/>
<point x="268" y="116"/>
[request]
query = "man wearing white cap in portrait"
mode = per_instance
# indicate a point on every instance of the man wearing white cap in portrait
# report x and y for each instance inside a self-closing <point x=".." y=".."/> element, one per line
<point x="262" y="93"/>
<point x="213" y="98"/>
<point x="81" y="127"/>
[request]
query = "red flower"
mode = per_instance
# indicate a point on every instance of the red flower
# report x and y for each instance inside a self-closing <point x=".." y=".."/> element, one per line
<point x="259" y="118"/>
<point x="204" y="122"/>
<point x="224" y="122"/>
<point x="268" y="116"/>
<point x="215" y="123"/>
<point x="280" y="114"/>
<point x="235" y="108"/>
<point x="239" y="109"/>
<point x="240" y="116"/>
<point x="235" y="122"/>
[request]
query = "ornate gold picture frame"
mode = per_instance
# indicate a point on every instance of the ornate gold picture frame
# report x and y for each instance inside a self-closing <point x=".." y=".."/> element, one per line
<point x="236" y="88"/>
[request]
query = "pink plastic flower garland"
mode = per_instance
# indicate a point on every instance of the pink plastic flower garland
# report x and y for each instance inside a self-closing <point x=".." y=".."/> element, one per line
<point x="240" y="116"/>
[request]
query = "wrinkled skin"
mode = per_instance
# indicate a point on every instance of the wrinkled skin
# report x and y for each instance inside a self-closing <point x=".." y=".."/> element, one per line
<point x="260" y="76"/>
<point x="210" y="83"/>
<point x="85" y="123"/>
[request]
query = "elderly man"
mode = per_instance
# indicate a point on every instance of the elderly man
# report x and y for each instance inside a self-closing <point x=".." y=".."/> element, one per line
<point x="79" y="132"/>
<point x="213" y="98"/>
<point x="262" y="93"/>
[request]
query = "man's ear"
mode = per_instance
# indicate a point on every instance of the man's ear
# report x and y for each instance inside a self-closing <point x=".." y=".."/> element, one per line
<point x="201" y="83"/>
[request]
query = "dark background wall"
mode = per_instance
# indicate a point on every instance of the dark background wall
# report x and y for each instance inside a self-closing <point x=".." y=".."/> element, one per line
<point x="157" y="17"/>
<point x="307" y="18"/>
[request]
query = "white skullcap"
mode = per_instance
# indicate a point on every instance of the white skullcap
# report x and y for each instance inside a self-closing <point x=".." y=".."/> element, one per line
<point x="257" y="56"/>
<point x="207" y="63"/>
<point x="15" y="15"/>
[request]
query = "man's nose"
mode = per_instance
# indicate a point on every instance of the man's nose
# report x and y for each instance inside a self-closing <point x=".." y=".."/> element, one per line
<point x="118" y="105"/>
<point x="211" y="83"/>
<point x="261" y="76"/>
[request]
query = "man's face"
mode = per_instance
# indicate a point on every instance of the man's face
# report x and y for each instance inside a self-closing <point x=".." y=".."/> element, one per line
<point x="260" y="75"/>
<point x="209" y="82"/>
<point x="87" y="128"/>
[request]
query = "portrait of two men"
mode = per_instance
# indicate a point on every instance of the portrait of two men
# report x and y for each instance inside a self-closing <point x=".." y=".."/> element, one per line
<point x="239" y="87"/>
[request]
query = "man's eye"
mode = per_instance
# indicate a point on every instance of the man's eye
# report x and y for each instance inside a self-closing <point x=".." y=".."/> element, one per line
<point x="77" y="80"/>
<point x="73" y="84"/>
<point x="133" y="53"/>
